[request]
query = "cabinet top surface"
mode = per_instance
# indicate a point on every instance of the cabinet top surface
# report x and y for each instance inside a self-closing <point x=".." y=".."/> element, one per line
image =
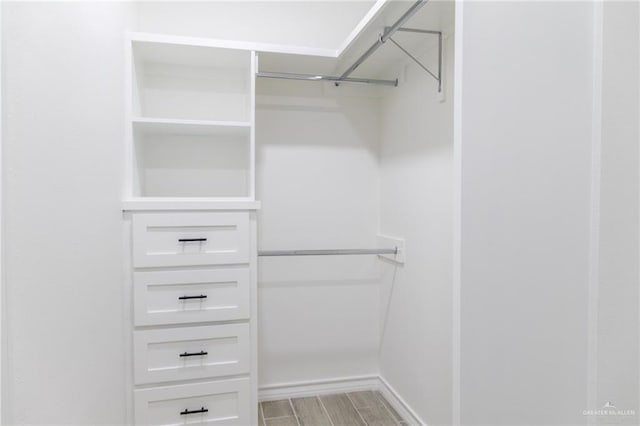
<point x="159" y="204"/>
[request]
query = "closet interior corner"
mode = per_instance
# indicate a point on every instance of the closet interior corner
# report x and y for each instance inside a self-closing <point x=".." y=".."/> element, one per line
<point x="283" y="207"/>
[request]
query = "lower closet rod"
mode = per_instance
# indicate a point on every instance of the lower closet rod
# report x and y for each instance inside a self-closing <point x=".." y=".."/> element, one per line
<point x="326" y="252"/>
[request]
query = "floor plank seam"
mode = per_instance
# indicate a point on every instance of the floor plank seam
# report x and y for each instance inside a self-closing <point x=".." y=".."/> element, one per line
<point x="279" y="417"/>
<point x="364" y="422"/>
<point x="264" y="422"/>
<point x="393" y="416"/>
<point x="295" y="414"/>
<point x="325" y="410"/>
<point x="387" y="406"/>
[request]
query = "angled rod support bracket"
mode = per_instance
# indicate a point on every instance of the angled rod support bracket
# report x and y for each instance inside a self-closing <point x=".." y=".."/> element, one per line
<point x="437" y="75"/>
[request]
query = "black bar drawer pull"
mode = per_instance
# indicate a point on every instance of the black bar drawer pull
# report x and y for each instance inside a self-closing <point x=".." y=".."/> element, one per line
<point x="201" y="353"/>
<point x="202" y="296"/>
<point x="192" y="240"/>
<point x="186" y="411"/>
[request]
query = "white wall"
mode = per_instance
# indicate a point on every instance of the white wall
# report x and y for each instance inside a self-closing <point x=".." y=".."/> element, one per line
<point x="617" y="332"/>
<point x="525" y="140"/>
<point x="416" y="204"/>
<point x="63" y="73"/>
<point x="62" y="175"/>
<point x="318" y="181"/>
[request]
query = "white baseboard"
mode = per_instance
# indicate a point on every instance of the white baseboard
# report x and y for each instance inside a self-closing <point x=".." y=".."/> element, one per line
<point x="341" y="385"/>
<point x="317" y="387"/>
<point x="396" y="401"/>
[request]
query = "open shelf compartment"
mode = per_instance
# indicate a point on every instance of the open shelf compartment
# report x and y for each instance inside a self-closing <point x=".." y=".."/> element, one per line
<point x="191" y="160"/>
<point x="191" y="82"/>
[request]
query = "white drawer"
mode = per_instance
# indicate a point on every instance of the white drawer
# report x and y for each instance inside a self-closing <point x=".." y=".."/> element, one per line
<point x="179" y="297"/>
<point x="184" y="239"/>
<point x="227" y="403"/>
<point x="191" y="353"/>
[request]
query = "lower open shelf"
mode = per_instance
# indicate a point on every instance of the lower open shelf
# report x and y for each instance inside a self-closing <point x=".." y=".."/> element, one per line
<point x="182" y="159"/>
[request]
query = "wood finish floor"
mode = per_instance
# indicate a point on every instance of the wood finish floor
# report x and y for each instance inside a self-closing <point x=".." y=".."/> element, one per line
<point x="367" y="408"/>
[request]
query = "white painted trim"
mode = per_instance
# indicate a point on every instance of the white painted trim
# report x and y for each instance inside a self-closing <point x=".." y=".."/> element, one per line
<point x="2" y="280"/>
<point x="594" y="231"/>
<point x="127" y="325"/>
<point x="129" y="152"/>
<point x="233" y="44"/>
<point x="399" y="404"/>
<point x="318" y="387"/>
<point x="252" y="126"/>
<point x="638" y="236"/>
<point x="253" y="322"/>
<point x="457" y="218"/>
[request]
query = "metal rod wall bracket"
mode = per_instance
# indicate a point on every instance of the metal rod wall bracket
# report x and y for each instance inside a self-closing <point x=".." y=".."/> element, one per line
<point x="437" y="76"/>
<point x="389" y="31"/>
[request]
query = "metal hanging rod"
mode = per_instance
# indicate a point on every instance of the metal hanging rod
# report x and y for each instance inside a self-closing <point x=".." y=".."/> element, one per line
<point x="417" y="30"/>
<point x="331" y="252"/>
<point x="312" y="77"/>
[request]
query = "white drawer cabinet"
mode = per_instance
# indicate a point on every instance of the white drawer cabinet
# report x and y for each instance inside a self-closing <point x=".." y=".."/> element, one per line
<point x="214" y="403"/>
<point x="185" y="353"/>
<point x="190" y="239"/>
<point x="190" y="296"/>
<point x="193" y="287"/>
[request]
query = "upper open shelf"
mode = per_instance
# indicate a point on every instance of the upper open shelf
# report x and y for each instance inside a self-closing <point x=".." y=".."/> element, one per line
<point x="173" y="81"/>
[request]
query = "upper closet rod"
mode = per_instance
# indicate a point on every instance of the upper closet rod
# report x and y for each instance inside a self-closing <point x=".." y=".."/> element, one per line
<point x="384" y="37"/>
<point x="312" y="77"/>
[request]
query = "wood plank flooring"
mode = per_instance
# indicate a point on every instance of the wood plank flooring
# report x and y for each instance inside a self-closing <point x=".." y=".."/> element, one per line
<point x="366" y="408"/>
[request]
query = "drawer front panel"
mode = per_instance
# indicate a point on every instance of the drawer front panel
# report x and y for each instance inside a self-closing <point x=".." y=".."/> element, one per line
<point x="226" y="403"/>
<point x="179" y="297"/>
<point x="186" y="239"/>
<point x="191" y="353"/>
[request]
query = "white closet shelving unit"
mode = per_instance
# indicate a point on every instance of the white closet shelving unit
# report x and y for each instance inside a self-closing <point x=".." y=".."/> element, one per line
<point x="191" y="122"/>
<point x="190" y="227"/>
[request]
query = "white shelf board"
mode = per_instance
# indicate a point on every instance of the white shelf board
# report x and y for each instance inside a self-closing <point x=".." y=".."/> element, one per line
<point x="231" y="44"/>
<point x="175" y="203"/>
<point x="189" y="127"/>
